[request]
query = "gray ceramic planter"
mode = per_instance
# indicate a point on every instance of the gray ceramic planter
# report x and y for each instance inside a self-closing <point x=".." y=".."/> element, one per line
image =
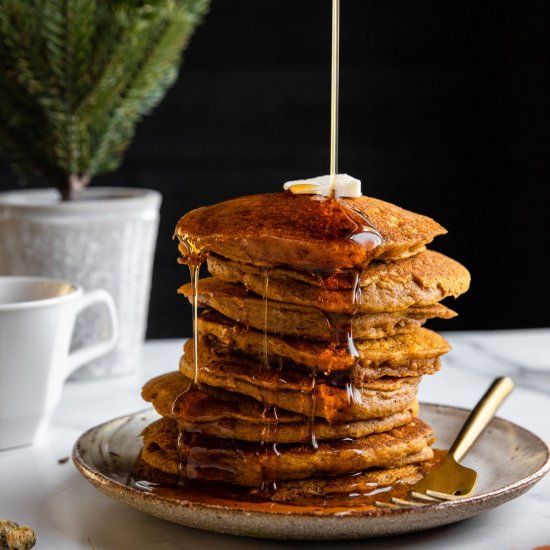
<point x="105" y="240"/>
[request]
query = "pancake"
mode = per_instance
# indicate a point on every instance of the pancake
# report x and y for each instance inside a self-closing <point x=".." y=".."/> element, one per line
<point x="297" y="392"/>
<point x="422" y="280"/>
<point x="299" y="491"/>
<point x="413" y="353"/>
<point x="284" y="376"/>
<point x="250" y="464"/>
<point x="235" y="302"/>
<point x="240" y="417"/>
<point x="305" y="231"/>
<point x="163" y="390"/>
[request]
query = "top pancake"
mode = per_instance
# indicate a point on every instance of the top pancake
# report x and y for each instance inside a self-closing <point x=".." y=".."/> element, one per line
<point x="304" y="231"/>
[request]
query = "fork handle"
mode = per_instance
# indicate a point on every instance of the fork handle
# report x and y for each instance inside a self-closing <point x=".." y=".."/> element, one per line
<point x="482" y="414"/>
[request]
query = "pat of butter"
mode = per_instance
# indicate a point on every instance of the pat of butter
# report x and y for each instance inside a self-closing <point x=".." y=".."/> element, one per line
<point x="344" y="186"/>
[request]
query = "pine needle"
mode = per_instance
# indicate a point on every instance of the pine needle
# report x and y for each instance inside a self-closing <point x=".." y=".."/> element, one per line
<point x="76" y="76"/>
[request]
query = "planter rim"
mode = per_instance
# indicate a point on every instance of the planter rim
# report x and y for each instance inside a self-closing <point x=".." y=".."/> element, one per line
<point x="95" y="200"/>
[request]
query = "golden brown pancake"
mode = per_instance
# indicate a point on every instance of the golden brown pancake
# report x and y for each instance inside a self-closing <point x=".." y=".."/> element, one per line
<point x="296" y="391"/>
<point x="298" y="491"/>
<point x="421" y="280"/>
<point x="412" y="353"/>
<point x="240" y="417"/>
<point x="305" y="231"/>
<point x="302" y="491"/>
<point x="250" y="464"/>
<point x="235" y="302"/>
<point x="286" y="375"/>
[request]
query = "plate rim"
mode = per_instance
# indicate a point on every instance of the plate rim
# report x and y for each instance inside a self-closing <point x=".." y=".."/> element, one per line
<point x="95" y="477"/>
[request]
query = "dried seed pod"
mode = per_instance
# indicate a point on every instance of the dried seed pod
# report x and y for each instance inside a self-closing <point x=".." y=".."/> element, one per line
<point x="5" y="526"/>
<point x="21" y="538"/>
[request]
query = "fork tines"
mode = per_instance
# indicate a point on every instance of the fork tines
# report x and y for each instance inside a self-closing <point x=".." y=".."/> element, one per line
<point x="417" y="500"/>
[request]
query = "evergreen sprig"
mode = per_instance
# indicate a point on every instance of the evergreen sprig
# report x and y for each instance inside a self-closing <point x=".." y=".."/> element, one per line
<point x="77" y="75"/>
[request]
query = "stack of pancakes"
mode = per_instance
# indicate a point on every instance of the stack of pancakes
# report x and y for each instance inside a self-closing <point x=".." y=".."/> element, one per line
<point x="302" y="376"/>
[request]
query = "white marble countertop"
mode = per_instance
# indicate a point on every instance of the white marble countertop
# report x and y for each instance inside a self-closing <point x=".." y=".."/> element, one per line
<point x="67" y="513"/>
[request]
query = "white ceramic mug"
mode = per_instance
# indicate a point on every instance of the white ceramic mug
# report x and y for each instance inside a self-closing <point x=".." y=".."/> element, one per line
<point x="37" y="317"/>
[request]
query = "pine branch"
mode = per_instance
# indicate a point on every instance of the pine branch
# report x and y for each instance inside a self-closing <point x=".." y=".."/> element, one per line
<point x="77" y="75"/>
<point x="83" y="30"/>
<point x="147" y="86"/>
<point x="16" y="140"/>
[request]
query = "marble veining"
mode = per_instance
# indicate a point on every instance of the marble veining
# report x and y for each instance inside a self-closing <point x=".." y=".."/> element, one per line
<point x="476" y="352"/>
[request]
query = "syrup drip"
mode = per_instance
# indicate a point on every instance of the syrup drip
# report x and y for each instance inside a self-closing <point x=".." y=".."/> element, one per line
<point x="265" y="273"/>
<point x="357" y="226"/>
<point x="194" y="274"/>
<point x="341" y="328"/>
<point x="364" y="232"/>
<point x="308" y="430"/>
<point x="193" y="255"/>
<point x="341" y="332"/>
<point x="268" y="446"/>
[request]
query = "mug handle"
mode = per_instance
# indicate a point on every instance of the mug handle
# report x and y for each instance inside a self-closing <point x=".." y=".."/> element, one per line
<point x="93" y="351"/>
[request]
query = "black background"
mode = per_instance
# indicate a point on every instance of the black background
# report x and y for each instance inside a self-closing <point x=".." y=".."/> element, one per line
<point x="445" y="110"/>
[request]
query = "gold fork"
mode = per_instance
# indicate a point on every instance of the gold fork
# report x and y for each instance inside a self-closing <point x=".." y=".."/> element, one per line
<point x="450" y="480"/>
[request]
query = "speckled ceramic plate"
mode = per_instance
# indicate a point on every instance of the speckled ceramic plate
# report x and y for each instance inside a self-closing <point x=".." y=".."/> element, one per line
<point x="509" y="460"/>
